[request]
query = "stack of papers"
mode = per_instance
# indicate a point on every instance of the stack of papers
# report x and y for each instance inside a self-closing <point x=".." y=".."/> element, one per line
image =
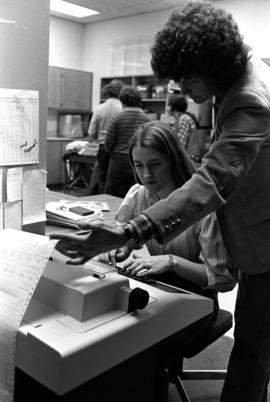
<point x="58" y="212"/>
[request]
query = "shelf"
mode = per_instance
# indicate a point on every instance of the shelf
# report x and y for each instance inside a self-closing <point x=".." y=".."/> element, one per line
<point x="149" y="87"/>
<point x="154" y="100"/>
<point x="67" y="139"/>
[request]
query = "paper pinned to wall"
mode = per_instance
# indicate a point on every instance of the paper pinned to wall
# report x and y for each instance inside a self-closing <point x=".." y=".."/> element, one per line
<point x="23" y="257"/>
<point x="34" y="187"/>
<point x="14" y="184"/>
<point x="19" y="127"/>
<point x="13" y="215"/>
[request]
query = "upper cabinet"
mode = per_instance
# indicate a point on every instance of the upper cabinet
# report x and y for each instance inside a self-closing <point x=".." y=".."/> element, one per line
<point x="69" y="89"/>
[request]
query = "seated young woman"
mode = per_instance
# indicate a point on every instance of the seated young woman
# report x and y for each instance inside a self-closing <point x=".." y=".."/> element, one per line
<point x="196" y="259"/>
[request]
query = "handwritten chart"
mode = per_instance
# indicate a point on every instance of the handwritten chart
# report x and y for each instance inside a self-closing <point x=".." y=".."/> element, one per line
<point x="19" y="127"/>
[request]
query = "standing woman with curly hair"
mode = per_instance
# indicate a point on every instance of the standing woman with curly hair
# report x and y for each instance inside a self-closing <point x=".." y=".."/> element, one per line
<point x="201" y="48"/>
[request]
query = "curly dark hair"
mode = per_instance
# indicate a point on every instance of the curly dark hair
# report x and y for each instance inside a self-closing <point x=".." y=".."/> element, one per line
<point x="130" y="96"/>
<point x="200" y="40"/>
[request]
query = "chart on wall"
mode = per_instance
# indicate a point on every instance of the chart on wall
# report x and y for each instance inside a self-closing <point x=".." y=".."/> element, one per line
<point x="19" y="127"/>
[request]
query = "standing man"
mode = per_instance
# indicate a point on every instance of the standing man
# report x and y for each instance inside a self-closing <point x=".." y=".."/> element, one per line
<point x="98" y="129"/>
<point x="201" y="48"/>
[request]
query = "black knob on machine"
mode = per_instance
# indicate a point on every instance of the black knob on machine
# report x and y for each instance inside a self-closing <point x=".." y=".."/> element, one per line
<point x="138" y="299"/>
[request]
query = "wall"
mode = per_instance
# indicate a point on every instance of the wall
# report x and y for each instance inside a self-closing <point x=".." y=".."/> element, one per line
<point x="97" y="40"/>
<point x="24" y="44"/>
<point x="253" y="18"/>
<point x="108" y="46"/>
<point x="66" y="43"/>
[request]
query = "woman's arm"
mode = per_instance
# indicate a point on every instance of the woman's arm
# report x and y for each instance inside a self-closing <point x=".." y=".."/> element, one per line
<point x="158" y="264"/>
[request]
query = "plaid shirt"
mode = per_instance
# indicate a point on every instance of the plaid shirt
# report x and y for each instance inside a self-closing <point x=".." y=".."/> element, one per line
<point x="184" y="126"/>
<point x="142" y="229"/>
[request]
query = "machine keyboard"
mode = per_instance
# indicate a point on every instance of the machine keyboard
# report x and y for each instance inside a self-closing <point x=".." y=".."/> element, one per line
<point x="149" y="281"/>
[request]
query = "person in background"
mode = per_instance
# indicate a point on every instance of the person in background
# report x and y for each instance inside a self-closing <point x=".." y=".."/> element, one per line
<point x="185" y="123"/>
<point x="97" y="132"/>
<point x="120" y="173"/>
<point x="201" y="48"/>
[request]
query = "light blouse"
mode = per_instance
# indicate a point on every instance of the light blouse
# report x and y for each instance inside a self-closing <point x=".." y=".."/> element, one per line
<point x="201" y="243"/>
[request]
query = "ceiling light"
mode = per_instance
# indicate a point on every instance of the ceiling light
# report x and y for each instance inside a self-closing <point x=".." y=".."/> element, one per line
<point x="63" y="7"/>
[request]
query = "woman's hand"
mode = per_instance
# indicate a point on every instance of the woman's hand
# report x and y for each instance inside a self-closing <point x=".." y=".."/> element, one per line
<point x="114" y="256"/>
<point x="98" y="237"/>
<point x="145" y="266"/>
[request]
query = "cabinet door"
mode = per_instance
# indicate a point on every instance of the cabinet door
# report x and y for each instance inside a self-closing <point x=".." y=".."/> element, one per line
<point x="76" y="90"/>
<point x="54" y="83"/>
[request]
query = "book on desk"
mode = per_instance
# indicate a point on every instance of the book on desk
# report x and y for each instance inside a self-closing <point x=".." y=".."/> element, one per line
<point x="68" y="213"/>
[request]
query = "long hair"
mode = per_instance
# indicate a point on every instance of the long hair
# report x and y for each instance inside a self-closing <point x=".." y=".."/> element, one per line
<point x="161" y="137"/>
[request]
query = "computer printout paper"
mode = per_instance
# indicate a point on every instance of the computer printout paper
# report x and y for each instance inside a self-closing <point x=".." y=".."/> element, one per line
<point x="23" y="257"/>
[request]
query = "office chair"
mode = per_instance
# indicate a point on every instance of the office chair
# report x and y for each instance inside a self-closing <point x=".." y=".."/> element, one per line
<point x="221" y="325"/>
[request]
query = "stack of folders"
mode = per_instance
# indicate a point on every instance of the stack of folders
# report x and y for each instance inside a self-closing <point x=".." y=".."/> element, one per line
<point x="69" y="213"/>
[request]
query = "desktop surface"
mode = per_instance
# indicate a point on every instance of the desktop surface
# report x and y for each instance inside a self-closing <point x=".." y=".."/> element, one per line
<point x="108" y="216"/>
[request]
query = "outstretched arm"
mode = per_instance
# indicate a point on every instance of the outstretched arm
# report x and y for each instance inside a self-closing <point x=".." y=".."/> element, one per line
<point x="101" y="237"/>
<point x="98" y="238"/>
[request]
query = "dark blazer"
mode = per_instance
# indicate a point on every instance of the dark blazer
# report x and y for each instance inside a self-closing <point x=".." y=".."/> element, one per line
<point x="234" y="178"/>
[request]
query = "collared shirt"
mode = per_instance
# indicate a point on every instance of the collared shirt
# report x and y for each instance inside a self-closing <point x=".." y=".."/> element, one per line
<point x="201" y="243"/>
<point x="184" y="127"/>
<point x="102" y="118"/>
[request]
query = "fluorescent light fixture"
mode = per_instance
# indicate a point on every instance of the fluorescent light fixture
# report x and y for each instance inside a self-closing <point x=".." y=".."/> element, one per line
<point x="64" y="7"/>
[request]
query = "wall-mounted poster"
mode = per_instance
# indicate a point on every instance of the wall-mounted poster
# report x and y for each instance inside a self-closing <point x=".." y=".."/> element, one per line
<point x="19" y="127"/>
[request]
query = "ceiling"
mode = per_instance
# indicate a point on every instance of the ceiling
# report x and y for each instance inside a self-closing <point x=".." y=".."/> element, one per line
<point x="121" y="8"/>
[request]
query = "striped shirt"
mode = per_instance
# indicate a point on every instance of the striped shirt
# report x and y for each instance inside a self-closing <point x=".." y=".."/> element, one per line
<point x="201" y="243"/>
<point x="122" y="128"/>
<point x="184" y="127"/>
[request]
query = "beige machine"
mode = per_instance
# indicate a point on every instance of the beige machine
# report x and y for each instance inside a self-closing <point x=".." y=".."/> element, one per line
<point x="80" y="322"/>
